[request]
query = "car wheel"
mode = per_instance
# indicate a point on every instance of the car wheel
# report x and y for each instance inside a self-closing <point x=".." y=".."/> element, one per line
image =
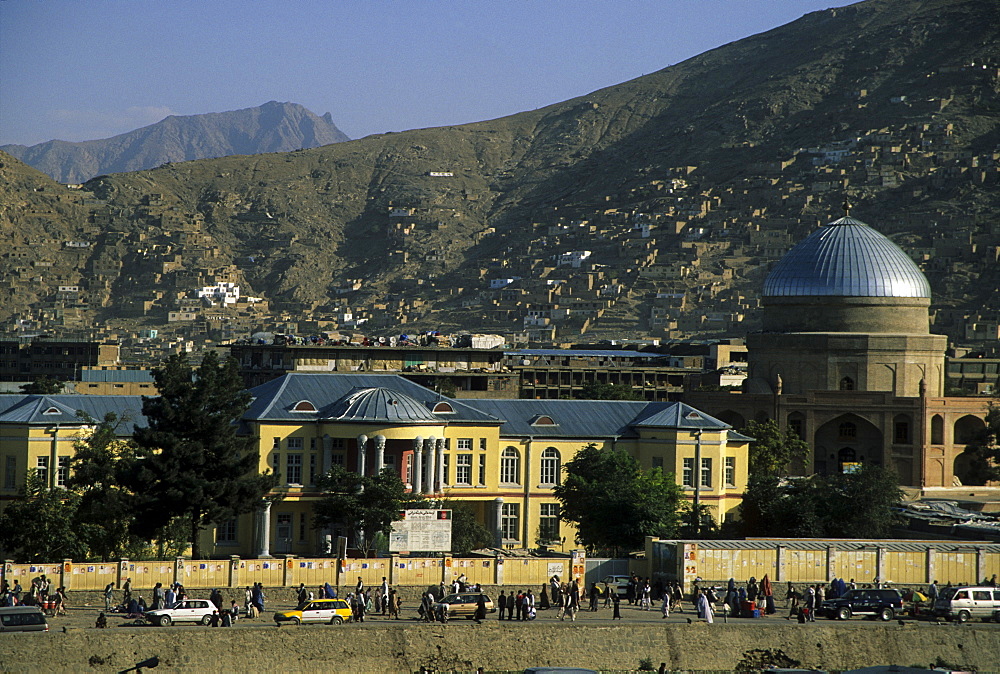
<point x="295" y="621"/>
<point x="337" y="620"/>
<point x="164" y="621"/>
<point x="886" y="614"/>
<point x="963" y="616"/>
<point x="206" y="620"/>
<point x="843" y="613"/>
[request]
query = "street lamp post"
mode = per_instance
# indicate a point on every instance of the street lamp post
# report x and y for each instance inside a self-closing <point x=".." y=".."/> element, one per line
<point x="697" y="483"/>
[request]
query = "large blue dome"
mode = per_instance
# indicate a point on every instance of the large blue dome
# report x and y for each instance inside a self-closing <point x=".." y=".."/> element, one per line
<point x="846" y="258"/>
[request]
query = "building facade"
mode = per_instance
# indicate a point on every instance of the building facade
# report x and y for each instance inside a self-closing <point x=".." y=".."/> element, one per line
<point x="846" y="358"/>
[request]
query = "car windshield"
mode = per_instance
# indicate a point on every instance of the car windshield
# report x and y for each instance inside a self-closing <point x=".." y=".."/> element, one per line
<point x="947" y="593"/>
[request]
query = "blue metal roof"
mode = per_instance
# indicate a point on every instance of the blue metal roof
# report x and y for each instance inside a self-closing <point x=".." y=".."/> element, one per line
<point x="114" y="376"/>
<point x="49" y="410"/>
<point x="678" y="415"/>
<point x="846" y="258"/>
<point x="276" y="400"/>
<point x="381" y="404"/>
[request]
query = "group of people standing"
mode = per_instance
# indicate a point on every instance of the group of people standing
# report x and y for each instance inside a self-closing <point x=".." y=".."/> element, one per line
<point x="39" y="593"/>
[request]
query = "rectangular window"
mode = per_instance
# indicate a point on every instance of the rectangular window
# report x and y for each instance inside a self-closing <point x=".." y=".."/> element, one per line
<point x="293" y="474"/>
<point x="283" y="531"/>
<point x="62" y="472"/>
<point x="295" y="444"/>
<point x="482" y="444"/>
<point x="482" y="469"/>
<point x="730" y="471"/>
<point x="42" y="469"/>
<point x="902" y="432"/>
<point x="465" y="444"/>
<point x="796" y="426"/>
<point x="276" y="444"/>
<point x="312" y="469"/>
<point x="658" y="462"/>
<point x="706" y="472"/>
<point x="688" y="475"/>
<point x="226" y="532"/>
<point x="409" y="470"/>
<point x="463" y="469"/>
<point x="548" y="522"/>
<point x="303" y="527"/>
<point x="447" y="468"/>
<point x="10" y="473"/>
<point x="509" y="521"/>
<point x="337" y="458"/>
<point x="338" y="443"/>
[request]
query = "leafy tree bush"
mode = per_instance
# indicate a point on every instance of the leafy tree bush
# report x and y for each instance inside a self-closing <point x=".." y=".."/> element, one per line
<point x="39" y="526"/>
<point x="773" y="450"/>
<point x="982" y="455"/>
<point x="614" y="503"/>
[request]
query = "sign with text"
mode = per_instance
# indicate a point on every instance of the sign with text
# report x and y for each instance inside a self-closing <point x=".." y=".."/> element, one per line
<point x="421" y="531"/>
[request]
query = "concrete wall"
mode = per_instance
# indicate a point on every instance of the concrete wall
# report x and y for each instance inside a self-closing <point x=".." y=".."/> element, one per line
<point x="408" y="647"/>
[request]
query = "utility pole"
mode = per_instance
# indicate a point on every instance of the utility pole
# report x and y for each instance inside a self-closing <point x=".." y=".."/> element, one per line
<point x="697" y="483"/>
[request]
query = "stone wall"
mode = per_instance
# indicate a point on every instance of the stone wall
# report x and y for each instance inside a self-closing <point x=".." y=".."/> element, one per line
<point x="407" y="647"/>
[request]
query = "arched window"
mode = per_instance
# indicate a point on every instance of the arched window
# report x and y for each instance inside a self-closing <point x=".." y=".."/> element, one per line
<point x="937" y="430"/>
<point x="550" y="466"/>
<point x="847" y="457"/>
<point x="510" y="466"/>
<point x="304" y="406"/>
<point x="847" y="431"/>
<point x="846" y="384"/>
<point x="968" y="429"/>
<point x="443" y="408"/>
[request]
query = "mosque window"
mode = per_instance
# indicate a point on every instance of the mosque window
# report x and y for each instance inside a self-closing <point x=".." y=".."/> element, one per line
<point x="847" y="431"/>
<point x="846" y="384"/>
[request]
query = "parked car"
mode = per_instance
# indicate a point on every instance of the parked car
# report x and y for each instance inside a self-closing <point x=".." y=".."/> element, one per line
<point x="22" y="619"/>
<point x="962" y="603"/>
<point x="618" y="582"/>
<point x="464" y="604"/>
<point x="187" y="611"/>
<point x="883" y="604"/>
<point x="332" y="611"/>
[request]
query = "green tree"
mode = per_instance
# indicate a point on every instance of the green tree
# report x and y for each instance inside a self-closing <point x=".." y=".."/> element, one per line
<point x="104" y="516"/>
<point x="982" y="455"/>
<point x="38" y="525"/>
<point x="773" y="450"/>
<point x="614" y="503"/>
<point x="848" y="505"/>
<point x="192" y="464"/>
<point x="595" y="390"/>
<point x="45" y="385"/>
<point x="363" y="506"/>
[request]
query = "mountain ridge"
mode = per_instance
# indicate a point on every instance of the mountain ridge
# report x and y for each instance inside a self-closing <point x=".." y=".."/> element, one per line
<point x="727" y="158"/>
<point x="271" y="127"/>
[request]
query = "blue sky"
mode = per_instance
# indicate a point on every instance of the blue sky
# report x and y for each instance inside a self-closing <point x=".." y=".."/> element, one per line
<point x="84" y="69"/>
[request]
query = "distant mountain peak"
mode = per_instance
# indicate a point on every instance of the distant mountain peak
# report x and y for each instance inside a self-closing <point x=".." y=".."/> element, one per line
<point x="272" y="127"/>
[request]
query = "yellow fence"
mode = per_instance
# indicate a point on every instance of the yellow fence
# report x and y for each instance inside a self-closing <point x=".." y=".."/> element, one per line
<point x="898" y="562"/>
<point x="290" y="571"/>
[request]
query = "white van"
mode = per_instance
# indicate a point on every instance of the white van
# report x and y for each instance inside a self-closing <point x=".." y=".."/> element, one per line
<point x="964" y="602"/>
<point x="22" y="619"/>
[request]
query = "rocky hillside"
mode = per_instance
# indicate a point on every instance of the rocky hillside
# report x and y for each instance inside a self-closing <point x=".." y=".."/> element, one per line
<point x="272" y="127"/>
<point x="683" y="185"/>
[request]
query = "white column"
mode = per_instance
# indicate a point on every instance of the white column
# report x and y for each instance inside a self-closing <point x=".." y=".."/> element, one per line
<point x="497" y="513"/>
<point x="264" y="530"/>
<point x="362" y="444"/>
<point x="379" y="453"/>
<point x="429" y="449"/>
<point x="418" y="465"/>
<point x="327" y="453"/>
<point x="440" y="464"/>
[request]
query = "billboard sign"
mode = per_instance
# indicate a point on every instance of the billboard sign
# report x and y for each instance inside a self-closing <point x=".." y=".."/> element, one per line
<point x="421" y="531"/>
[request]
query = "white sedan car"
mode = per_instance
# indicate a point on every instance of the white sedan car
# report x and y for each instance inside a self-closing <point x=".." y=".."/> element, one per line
<point x="189" y="611"/>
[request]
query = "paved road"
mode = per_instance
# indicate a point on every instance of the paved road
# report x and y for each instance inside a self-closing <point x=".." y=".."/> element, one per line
<point x="85" y="616"/>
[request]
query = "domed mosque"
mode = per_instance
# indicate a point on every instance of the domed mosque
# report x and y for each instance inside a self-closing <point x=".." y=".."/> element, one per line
<point x="846" y="358"/>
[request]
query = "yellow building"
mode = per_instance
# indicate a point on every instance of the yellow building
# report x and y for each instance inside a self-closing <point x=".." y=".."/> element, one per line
<point x="503" y="457"/>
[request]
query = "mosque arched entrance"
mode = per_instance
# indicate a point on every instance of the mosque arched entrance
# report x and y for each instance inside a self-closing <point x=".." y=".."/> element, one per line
<point x="845" y="442"/>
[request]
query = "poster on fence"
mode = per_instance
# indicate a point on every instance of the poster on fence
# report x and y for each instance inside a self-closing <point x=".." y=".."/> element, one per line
<point x="421" y="531"/>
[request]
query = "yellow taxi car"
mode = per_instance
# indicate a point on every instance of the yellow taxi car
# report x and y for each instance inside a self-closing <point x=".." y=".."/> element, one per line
<point x="331" y="611"/>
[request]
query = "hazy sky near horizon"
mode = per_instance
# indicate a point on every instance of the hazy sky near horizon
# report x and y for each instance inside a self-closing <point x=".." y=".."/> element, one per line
<point x="85" y="69"/>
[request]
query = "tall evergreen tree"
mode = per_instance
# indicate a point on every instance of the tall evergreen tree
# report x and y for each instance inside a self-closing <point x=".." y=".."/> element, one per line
<point x="193" y="465"/>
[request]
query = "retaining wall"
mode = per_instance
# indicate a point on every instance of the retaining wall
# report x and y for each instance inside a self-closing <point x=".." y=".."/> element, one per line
<point x="494" y="646"/>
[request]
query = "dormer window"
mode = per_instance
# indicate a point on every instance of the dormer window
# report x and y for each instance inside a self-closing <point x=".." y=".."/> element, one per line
<point x="303" y="406"/>
<point x="543" y="420"/>
<point x="693" y="416"/>
<point x="52" y="410"/>
<point x="443" y="408"/>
